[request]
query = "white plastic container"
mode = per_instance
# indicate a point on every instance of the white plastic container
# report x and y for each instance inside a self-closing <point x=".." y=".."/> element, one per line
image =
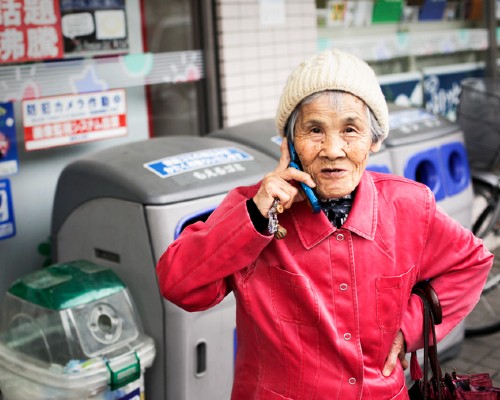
<point x="70" y="331"/>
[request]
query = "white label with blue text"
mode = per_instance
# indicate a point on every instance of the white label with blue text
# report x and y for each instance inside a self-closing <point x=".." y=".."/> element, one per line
<point x="187" y="162"/>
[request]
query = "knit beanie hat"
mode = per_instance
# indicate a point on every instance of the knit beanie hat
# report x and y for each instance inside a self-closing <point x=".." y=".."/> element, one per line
<point x="333" y="70"/>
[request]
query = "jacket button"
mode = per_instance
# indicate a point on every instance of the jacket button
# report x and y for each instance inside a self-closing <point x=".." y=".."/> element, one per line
<point x="340" y="236"/>
<point x="343" y="286"/>
<point x="347" y="336"/>
<point x="352" y="381"/>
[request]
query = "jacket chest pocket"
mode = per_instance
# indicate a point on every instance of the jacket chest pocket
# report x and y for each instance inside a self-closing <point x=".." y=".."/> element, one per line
<point x="293" y="298"/>
<point x="392" y="296"/>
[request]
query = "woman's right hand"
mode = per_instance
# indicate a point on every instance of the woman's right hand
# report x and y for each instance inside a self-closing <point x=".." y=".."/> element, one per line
<point x="278" y="184"/>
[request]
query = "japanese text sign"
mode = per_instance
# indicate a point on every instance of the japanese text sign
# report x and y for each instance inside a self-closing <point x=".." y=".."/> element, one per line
<point x="62" y="120"/>
<point x="30" y="30"/>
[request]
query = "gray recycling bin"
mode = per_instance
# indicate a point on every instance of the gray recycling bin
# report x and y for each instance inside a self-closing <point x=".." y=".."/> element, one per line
<point x="71" y="331"/>
<point x="122" y="207"/>
<point x="262" y="135"/>
<point x="430" y="149"/>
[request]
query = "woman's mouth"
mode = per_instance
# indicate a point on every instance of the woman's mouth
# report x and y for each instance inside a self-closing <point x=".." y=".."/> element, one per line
<point x="332" y="170"/>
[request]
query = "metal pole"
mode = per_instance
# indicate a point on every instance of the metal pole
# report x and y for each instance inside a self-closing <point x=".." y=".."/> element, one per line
<point x="491" y="25"/>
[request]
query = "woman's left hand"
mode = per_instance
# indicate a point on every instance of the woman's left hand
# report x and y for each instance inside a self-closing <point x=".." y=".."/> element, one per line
<point x="398" y="351"/>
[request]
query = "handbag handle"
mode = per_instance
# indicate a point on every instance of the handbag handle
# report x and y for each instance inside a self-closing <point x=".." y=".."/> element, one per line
<point x="426" y="292"/>
<point x="432" y="316"/>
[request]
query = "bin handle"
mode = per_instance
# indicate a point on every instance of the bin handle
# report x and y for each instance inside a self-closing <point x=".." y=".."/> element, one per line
<point x="125" y="375"/>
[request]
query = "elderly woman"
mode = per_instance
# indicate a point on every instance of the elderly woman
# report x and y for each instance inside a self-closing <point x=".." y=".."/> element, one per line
<point x="327" y="312"/>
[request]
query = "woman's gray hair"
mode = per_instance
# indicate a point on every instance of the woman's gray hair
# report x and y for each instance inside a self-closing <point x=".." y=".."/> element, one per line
<point x="335" y="96"/>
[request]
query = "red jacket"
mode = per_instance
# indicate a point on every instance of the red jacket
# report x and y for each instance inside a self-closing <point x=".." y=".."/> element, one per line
<point x="317" y="312"/>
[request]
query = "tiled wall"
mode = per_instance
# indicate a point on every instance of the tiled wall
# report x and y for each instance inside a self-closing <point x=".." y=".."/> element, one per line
<point x="256" y="57"/>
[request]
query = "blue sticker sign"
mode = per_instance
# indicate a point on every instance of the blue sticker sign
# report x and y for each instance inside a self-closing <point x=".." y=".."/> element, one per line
<point x="7" y="224"/>
<point x="187" y="162"/>
<point x="8" y="142"/>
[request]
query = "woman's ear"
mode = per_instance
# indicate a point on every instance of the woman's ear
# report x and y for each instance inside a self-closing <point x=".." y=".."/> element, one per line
<point x="376" y="146"/>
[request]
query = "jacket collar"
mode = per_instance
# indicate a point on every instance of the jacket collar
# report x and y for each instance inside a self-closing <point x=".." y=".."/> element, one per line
<point x="362" y="220"/>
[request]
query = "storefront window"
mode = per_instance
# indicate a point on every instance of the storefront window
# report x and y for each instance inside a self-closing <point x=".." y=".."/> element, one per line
<point x="152" y="49"/>
<point x="79" y="76"/>
<point x="173" y="106"/>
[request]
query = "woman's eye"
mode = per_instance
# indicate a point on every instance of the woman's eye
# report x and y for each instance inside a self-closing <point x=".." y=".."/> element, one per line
<point x="315" y="130"/>
<point x="350" y="131"/>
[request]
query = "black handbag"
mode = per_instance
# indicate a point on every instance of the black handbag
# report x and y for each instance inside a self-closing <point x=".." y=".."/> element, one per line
<point x="451" y="385"/>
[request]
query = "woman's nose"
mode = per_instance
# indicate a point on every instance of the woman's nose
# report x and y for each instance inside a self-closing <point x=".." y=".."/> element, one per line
<point x="333" y="146"/>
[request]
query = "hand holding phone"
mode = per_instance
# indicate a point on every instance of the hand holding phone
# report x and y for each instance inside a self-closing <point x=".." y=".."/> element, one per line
<point x="309" y="192"/>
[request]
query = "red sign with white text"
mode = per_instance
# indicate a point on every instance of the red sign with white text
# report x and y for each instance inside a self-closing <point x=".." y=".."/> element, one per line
<point x="62" y="120"/>
<point x="30" y="30"/>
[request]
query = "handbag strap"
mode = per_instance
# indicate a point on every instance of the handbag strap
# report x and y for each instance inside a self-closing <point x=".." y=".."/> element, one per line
<point x="432" y="316"/>
<point x="427" y="293"/>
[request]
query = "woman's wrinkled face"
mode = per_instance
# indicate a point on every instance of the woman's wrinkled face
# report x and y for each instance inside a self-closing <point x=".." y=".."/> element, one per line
<point x="333" y="142"/>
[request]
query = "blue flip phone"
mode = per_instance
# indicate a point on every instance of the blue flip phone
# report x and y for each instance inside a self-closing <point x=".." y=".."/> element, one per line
<point x="311" y="196"/>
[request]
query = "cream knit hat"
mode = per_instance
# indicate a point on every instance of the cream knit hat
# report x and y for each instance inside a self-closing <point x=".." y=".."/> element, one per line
<point x="333" y="70"/>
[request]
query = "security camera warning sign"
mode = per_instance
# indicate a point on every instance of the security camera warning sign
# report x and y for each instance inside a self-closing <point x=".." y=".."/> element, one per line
<point x="63" y="120"/>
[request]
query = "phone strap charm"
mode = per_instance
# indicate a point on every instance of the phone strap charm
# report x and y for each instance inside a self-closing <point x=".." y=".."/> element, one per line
<point x="273" y="227"/>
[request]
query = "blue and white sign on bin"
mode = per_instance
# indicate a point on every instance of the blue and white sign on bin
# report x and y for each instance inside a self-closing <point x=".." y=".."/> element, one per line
<point x="188" y="162"/>
<point x="442" y="86"/>
<point x="404" y="89"/>
<point x="7" y="224"/>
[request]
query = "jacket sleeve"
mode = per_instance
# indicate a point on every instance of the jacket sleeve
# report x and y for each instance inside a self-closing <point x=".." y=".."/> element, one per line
<point x="457" y="264"/>
<point x="193" y="272"/>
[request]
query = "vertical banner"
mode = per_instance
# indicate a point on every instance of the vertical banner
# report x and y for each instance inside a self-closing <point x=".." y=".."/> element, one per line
<point x="30" y="30"/>
<point x="8" y="142"/>
<point x="63" y="120"/>
<point x="7" y="224"/>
